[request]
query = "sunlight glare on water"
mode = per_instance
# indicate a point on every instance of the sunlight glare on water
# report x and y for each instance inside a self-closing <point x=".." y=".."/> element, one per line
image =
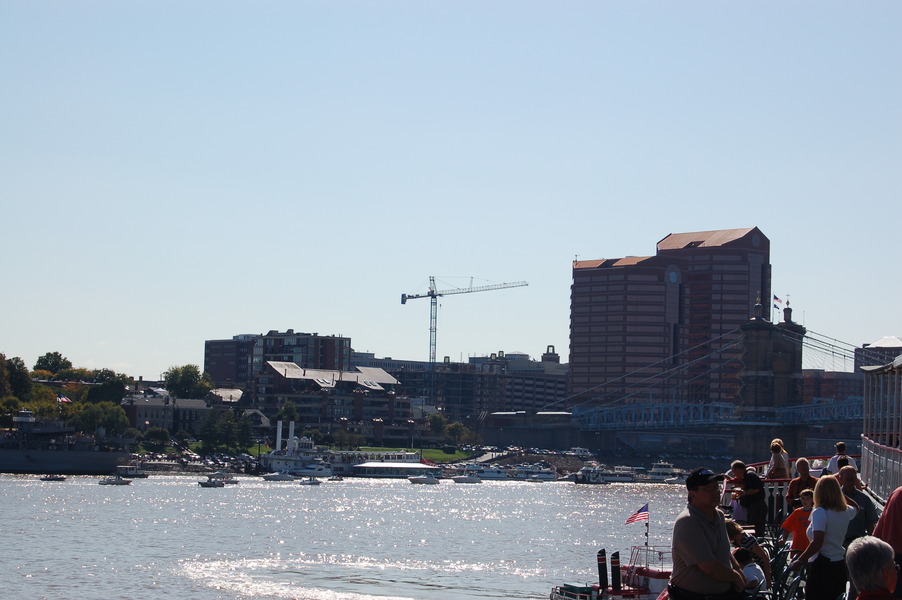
<point x="166" y="537"/>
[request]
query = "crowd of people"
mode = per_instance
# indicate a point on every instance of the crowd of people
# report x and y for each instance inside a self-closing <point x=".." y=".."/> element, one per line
<point x="832" y="535"/>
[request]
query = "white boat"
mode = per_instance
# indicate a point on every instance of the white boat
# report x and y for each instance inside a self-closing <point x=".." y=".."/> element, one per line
<point x="301" y="457"/>
<point x="336" y="478"/>
<point x="535" y="472"/>
<point x="466" y="478"/>
<point x="280" y="476"/>
<point x="225" y="478"/>
<point x="114" y="480"/>
<point x="643" y="577"/>
<point x="131" y="471"/>
<point x="309" y="481"/>
<point x="591" y="474"/>
<point x="662" y="471"/>
<point x="485" y="471"/>
<point x="428" y="479"/>
<point x="603" y="474"/>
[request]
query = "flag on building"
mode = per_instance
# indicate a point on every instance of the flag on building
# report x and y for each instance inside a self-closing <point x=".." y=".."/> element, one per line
<point x="639" y="515"/>
<point x="777" y="300"/>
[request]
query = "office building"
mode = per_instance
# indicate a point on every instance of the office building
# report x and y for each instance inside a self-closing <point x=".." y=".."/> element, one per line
<point x="671" y="319"/>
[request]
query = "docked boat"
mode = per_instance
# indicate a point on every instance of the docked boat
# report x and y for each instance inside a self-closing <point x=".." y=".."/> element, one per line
<point x="485" y="472"/>
<point x="53" y="478"/>
<point x="591" y="474"/>
<point x="309" y="481"/>
<point x="662" y="471"/>
<point x="643" y="577"/>
<point x="131" y="471"/>
<point x="466" y="478"/>
<point x="428" y="479"/>
<point x="45" y="448"/>
<point x="114" y="480"/>
<point x="301" y="457"/>
<point x="534" y="472"/>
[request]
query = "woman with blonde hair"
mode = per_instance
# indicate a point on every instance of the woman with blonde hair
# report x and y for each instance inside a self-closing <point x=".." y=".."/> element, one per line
<point x="827" y="530"/>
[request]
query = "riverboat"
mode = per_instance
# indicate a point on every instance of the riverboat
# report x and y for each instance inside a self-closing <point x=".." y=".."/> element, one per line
<point x="662" y="471"/>
<point x="301" y="457"/>
<point x="643" y="577"/>
<point x="45" y="448"/>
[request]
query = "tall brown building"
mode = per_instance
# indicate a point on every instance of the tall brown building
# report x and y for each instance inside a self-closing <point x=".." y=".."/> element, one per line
<point x="671" y="318"/>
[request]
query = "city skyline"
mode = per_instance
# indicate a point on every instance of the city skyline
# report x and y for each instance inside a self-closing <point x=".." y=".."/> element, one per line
<point x="178" y="173"/>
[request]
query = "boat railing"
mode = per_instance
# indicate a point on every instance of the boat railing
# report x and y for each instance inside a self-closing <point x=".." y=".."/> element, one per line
<point x="775" y="490"/>
<point x="881" y="468"/>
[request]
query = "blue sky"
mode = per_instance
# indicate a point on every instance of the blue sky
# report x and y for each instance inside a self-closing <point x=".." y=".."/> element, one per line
<point x="173" y="172"/>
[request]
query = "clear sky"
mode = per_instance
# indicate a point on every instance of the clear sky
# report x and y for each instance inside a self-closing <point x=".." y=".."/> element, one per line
<point x="176" y="171"/>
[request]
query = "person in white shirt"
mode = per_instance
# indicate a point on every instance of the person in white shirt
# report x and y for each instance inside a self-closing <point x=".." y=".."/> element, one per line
<point x="833" y="466"/>
<point x="754" y="575"/>
<point x="825" y="554"/>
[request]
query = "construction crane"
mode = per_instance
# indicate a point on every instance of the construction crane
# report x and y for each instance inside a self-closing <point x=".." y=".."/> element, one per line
<point x="433" y="295"/>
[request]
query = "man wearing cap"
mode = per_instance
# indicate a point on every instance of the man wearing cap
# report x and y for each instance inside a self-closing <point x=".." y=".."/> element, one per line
<point x="703" y="565"/>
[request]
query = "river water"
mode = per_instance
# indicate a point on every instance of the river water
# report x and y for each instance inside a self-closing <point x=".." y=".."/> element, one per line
<point x="166" y="537"/>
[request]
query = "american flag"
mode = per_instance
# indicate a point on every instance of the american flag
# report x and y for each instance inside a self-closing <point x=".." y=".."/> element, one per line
<point x="639" y="515"/>
<point x="60" y="399"/>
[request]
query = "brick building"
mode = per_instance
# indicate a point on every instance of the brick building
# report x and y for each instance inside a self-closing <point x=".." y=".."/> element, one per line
<point x="637" y="318"/>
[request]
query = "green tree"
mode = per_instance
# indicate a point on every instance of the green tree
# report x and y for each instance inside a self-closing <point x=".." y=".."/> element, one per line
<point x="245" y="433"/>
<point x="19" y="377"/>
<point x="456" y="431"/>
<point x="91" y="417"/>
<point x="72" y="374"/>
<point x="53" y="362"/>
<point x="288" y="412"/>
<point x="5" y="390"/>
<point x="157" y="435"/>
<point x="437" y="423"/>
<point x="209" y="432"/>
<point x="227" y="430"/>
<point x="9" y="406"/>
<point x="42" y="402"/>
<point x="187" y="382"/>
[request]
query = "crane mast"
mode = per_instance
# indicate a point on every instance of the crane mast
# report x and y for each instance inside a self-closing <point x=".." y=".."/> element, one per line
<point x="433" y="294"/>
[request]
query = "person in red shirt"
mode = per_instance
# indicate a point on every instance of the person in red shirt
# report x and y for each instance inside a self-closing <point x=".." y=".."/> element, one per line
<point x="889" y="529"/>
<point x="796" y="524"/>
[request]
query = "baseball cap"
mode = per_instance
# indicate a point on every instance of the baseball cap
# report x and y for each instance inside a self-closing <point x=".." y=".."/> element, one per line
<point x="702" y="476"/>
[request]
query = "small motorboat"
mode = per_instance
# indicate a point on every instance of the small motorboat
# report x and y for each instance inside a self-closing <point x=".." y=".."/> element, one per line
<point x="336" y="478"/>
<point x="467" y="478"/>
<point x="114" y="480"/>
<point x="212" y="482"/>
<point x="428" y="479"/>
<point x="53" y="478"/>
<point x="226" y="478"/>
<point x="309" y="481"/>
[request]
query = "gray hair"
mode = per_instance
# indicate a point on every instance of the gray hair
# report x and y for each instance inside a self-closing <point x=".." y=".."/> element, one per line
<point x="866" y="558"/>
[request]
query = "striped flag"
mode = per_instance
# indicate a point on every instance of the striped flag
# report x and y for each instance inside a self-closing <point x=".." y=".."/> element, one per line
<point x="62" y="399"/>
<point x="639" y="515"/>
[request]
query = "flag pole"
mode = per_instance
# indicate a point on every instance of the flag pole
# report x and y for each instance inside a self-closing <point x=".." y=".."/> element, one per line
<point x="646" y="532"/>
